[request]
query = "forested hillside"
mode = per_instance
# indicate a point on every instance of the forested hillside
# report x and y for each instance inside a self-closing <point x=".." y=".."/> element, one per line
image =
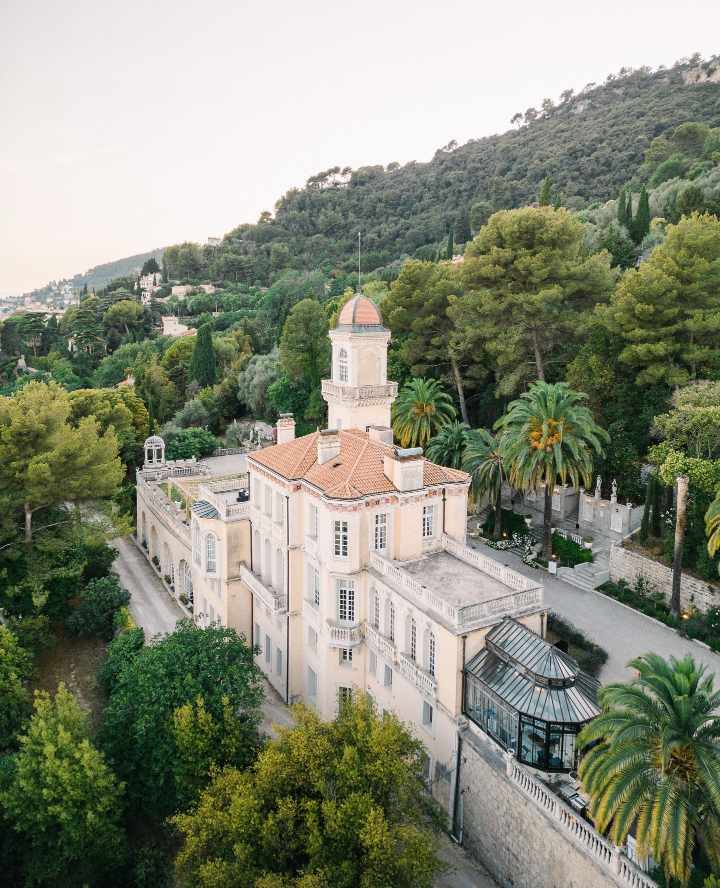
<point x="101" y="275"/>
<point x="590" y="145"/>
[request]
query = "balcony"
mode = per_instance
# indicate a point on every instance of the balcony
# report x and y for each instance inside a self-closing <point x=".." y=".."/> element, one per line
<point x="380" y="643"/>
<point x="356" y="393"/>
<point x="271" y="598"/>
<point x="422" y="680"/>
<point x="344" y="636"/>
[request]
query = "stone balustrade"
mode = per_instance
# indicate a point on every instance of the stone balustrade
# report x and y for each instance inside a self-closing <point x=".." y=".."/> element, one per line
<point x="357" y="392"/>
<point x="271" y="598"/>
<point x="380" y="643"/>
<point x="422" y="680"/>
<point x="165" y="510"/>
<point x="623" y="871"/>
<point x="344" y="636"/>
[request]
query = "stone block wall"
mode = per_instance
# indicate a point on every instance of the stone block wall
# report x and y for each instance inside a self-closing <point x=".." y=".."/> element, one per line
<point x="625" y="564"/>
<point x="530" y="839"/>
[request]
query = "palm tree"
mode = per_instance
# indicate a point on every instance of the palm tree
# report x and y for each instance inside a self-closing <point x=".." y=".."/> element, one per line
<point x="421" y="409"/>
<point x="546" y="434"/>
<point x="448" y="446"/>
<point x="680" y="526"/>
<point x="483" y="461"/>
<point x="655" y="763"/>
<point x="712" y="526"/>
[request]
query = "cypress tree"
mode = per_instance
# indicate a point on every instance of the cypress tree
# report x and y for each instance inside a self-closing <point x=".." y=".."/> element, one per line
<point x="450" y="245"/>
<point x="645" y="524"/>
<point x="641" y="225"/>
<point x="622" y="210"/>
<point x="202" y="364"/>
<point x="656" y="523"/>
<point x="462" y="227"/>
<point x="545" y="194"/>
<point x="628" y="223"/>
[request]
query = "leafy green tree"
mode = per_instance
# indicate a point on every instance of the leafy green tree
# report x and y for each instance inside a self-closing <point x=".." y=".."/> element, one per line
<point x="448" y="447"/>
<point x="416" y="311"/>
<point x="189" y="443"/>
<point x="529" y="282"/>
<point x="157" y="390"/>
<point x="667" y="311"/>
<point x="15" y="668"/>
<point x="621" y="207"/>
<point x="119" y="408"/>
<point x="450" y="246"/>
<point x="693" y="423"/>
<point x="304" y="344"/>
<point x="44" y="460"/>
<point x="31" y="328"/>
<point x="150" y="266"/>
<point x="547" y="434"/>
<point x="123" y="648"/>
<point x="255" y="380"/>
<point x="652" y="762"/>
<point x="480" y="212"/>
<point x="420" y="411"/>
<point x="62" y="798"/>
<point x="483" y="461"/>
<point x="138" y="730"/>
<point x="203" y="368"/>
<point x="545" y="194"/>
<point x="338" y="803"/>
<point x="128" y="317"/>
<point x="94" y="615"/>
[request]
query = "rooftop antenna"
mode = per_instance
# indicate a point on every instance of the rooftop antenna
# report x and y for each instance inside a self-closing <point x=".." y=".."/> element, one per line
<point x="358" y="285"/>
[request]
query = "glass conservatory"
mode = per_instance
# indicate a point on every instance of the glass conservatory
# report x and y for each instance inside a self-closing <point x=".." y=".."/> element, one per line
<point x="529" y="696"/>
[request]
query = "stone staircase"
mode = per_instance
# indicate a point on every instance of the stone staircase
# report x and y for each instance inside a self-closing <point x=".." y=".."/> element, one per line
<point x="590" y="575"/>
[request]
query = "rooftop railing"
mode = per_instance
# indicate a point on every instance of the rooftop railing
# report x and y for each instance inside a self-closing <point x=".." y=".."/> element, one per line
<point x="355" y="392"/>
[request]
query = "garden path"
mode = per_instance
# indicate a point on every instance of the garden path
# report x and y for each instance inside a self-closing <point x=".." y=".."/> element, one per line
<point x="623" y="632"/>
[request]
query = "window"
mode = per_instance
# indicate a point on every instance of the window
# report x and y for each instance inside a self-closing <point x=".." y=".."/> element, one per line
<point x="315" y="588"/>
<point x="341" y="539"/>
<point x="278" y="661"/>
<point x="196" y="542"/>
<point x="412" y="639"/>
<point x="428" y="521"/>
<point x="380" y="533"/>
<point x="210" y="553"/>
<point x="391" y="622"/>
<point x="346" y="601"/>
<point x="431" y="654"/>
<point x="312" y="682"/>
<point x="372" y="664"/>
<point x="375" y="610"/>
<point x="388" y="677"/>
<point x="313" y="521"/>
<point x="268" y="649"/>
<point x="342" y="365"/>
<point x="344" y="695"/>
<point x="258" y="636"/>
<point x="268" y="501"/>
<point x="346" y="655"/>
<point x="312" y="638"/>
<point x="427" y="716"/>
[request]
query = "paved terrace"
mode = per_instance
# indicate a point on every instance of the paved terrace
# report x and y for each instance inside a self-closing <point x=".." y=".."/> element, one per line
<point x="462" y="586"/>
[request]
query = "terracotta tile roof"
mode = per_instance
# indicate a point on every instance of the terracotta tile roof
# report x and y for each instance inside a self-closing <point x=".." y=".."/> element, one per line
<point x="358" y="470"/>
<point x="360" y="311"/>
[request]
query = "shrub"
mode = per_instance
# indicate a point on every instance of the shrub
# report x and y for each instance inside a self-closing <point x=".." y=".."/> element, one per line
<point x="99" y="602"/>
<point x="590" y="656"/>
<point x="121" y="651"/>
<point x="33" y="632"/>
<point x="568" y="552"/>
<point x="510" y="523"/>
<point x="192" y="442"/>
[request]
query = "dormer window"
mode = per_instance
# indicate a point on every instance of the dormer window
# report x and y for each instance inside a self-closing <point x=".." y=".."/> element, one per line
<point x="343" y="365"/>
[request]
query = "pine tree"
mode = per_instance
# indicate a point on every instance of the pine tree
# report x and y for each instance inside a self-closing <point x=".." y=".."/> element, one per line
<point x="462" y="227"/>
<point x="450" y="250"/>
<point x="202" y="364"/>
<point x="641" y="224"/>
<point x="628" y="221"/>
<point x="622" y="207"/>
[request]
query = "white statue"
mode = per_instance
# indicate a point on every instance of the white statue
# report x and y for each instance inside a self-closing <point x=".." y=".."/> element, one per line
<point x="614" y="490"/>
<point x="598" y="486"/>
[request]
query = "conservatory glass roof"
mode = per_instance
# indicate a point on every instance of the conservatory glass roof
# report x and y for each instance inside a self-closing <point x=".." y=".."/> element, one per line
<point x="533" y="677"/>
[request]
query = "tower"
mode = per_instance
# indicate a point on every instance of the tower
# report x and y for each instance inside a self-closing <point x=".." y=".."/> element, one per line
<point x="359" y="394"/>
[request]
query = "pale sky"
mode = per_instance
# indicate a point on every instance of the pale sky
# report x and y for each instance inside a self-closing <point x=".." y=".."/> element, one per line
<point x="129" y="126"/>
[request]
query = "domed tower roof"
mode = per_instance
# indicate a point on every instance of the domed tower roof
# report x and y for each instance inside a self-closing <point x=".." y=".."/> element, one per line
<point x="360" y="314"/>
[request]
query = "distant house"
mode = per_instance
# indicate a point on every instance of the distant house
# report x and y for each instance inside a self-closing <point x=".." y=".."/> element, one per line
<point x="208" y="288"/>
<point x="181" y="290"/>
<point x="214" y="241"/>
<point x="173" y="327"/>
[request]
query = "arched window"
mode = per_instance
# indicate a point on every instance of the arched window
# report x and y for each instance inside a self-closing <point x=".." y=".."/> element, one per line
<point x="196" y="542"/>
<point x="342" y="365"/>
<point x="375" y="609"/>
<point x="411" y="640"/>
<point x="210" y="553"/>
<point x="430" y="662"/>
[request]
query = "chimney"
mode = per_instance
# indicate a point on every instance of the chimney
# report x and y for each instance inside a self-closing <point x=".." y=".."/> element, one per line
<point x="285" y="428"/>
<point x="381" y="434"/>
<point x="328" y="445"/>
<point x="404" y="468"/>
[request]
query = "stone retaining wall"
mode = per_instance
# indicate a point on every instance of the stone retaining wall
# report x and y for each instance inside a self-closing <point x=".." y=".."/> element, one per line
<point x="524" y="834"/>
<point x="625" y="564"/>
